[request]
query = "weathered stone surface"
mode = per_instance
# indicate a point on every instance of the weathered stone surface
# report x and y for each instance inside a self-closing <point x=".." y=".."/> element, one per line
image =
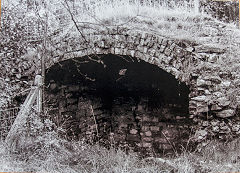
<point x="236" y="128"/>
<point x="225" y="113"/>
<point x="154" y="128"/>
<point x="223" y="101"/>
<point x="203" y="83"/>
<point x="209" y="83"/>
<point x="148" y="133"/>
<point x="133" y="131"/>
<point x="201" y="134"/>
<point x="200" y="98"/>
<point x="147" y="145"/>
<point x="226" y="83"/>
<point x="147" y="139"/>
<point x="215" y="107"/>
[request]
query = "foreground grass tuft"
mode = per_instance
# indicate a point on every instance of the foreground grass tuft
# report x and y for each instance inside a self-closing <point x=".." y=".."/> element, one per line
<point x="50" y="153"/>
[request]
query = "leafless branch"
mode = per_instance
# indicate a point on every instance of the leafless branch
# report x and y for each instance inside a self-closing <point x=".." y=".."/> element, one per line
<point x="80" y="62"/>
<point x="86" y="76"/>
<point x="74" y="21"/>
<point x="98" y="61"/>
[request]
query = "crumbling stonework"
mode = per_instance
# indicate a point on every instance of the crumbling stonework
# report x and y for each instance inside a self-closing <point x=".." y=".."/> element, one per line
<point x="211" y="86"/>
<point x="189" y="62"/>
<point x="126" y="123"/>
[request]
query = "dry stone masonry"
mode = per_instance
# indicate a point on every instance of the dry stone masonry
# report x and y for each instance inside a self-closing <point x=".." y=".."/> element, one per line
<point x="197" y="50"/>
<point x="211" y="99"/>
<point x="126" y="122"/>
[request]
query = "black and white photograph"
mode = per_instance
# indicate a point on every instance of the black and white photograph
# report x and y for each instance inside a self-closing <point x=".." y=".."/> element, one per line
<point x="120" y="86"/>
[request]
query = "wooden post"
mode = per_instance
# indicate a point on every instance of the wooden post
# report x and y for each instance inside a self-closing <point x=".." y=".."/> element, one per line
<point x="0" y="12"/>
<point x="38" y="82"/>
<point x="43" y="59"/>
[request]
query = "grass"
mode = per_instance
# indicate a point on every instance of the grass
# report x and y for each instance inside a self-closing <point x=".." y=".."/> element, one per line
<point x="50" y="153"/>
<point x="174" y="20"/>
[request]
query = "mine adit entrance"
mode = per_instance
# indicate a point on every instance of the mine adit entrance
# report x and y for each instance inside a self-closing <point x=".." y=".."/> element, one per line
<point x="118" y="100"/>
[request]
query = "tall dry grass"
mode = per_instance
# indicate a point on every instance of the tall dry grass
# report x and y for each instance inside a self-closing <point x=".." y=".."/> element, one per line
<point x="50" y="153"/>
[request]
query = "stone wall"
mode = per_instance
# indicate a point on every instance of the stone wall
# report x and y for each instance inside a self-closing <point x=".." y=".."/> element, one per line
<point x="122" y="121"/>
<point x="199" y="66"/>
<point x="203" y="57"/>
<point x="187" y="61"/>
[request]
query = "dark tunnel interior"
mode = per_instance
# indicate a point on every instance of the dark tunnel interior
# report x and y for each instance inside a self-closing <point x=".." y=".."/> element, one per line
<point x="111" y="76"/>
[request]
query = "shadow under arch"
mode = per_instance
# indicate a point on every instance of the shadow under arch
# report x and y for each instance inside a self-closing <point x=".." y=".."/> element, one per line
<point x="119" y="99"/>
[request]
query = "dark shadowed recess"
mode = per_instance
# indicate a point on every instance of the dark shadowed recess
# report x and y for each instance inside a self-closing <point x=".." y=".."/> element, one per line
<point x="112" y="76"/>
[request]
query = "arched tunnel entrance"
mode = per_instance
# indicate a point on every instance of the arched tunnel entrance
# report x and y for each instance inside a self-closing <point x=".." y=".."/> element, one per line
<point x="118" y="100"/>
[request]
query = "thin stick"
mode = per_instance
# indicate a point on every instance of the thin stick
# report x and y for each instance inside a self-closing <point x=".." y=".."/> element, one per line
<point x="173" y="147"/>
<point x="94" y="118"/>
<point x="73" y="19"/>
<point x="0" y="12"/>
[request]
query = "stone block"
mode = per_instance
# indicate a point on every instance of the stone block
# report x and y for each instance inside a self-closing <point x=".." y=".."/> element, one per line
<point x="166" y="146"/>
<point x="145" y="49"/>
<point x="141" y="42"/>
<point x="155" y="119"/>
<point x="145" y="128"/>
<point x="223" y="101"/>
<point x="205" y="123"/>
<point x="147" y="139"/>
<point x="215" y="107"/>
<point x="203" y="83"/>
<point x="72" y="100"/>
<point x="118" y="51"/>
<point x="225" y="113"/>
<point x="148" y="133"/>
<point x="160" y="140"/>
<point x="150" y="44"/>
<point x="154" y="128"/>
<point x="202" y="108"/>
<point x="236" y="128"/>
<point x="132" y="53"/>
<point x="53" y="86"/>
<point x="162" y="48"/>
<point x="218" y="94"/>
<point x="73" y="88"/>
<point x="200" y="98"/>
<point x="170" y="132"/>
<point x="167" y="52"/>
<point x="215" y="129"/>
<point x="146" y="118"/>
<point x="133" y="138"/>
<point x="133" y="131"/>
<point x="146" y="145"/>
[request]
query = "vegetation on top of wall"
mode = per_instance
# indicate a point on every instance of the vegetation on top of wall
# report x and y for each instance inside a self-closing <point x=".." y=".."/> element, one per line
<point x="20" y="51"/>
<point x="23" y="23"/>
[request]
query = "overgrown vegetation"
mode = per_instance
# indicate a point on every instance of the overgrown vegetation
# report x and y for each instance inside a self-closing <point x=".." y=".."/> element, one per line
<point x="42" y="150"/>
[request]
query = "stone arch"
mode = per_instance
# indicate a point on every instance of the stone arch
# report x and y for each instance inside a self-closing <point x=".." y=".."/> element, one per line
<point x="173" y="56"/>
<point x="177" y="57"/>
